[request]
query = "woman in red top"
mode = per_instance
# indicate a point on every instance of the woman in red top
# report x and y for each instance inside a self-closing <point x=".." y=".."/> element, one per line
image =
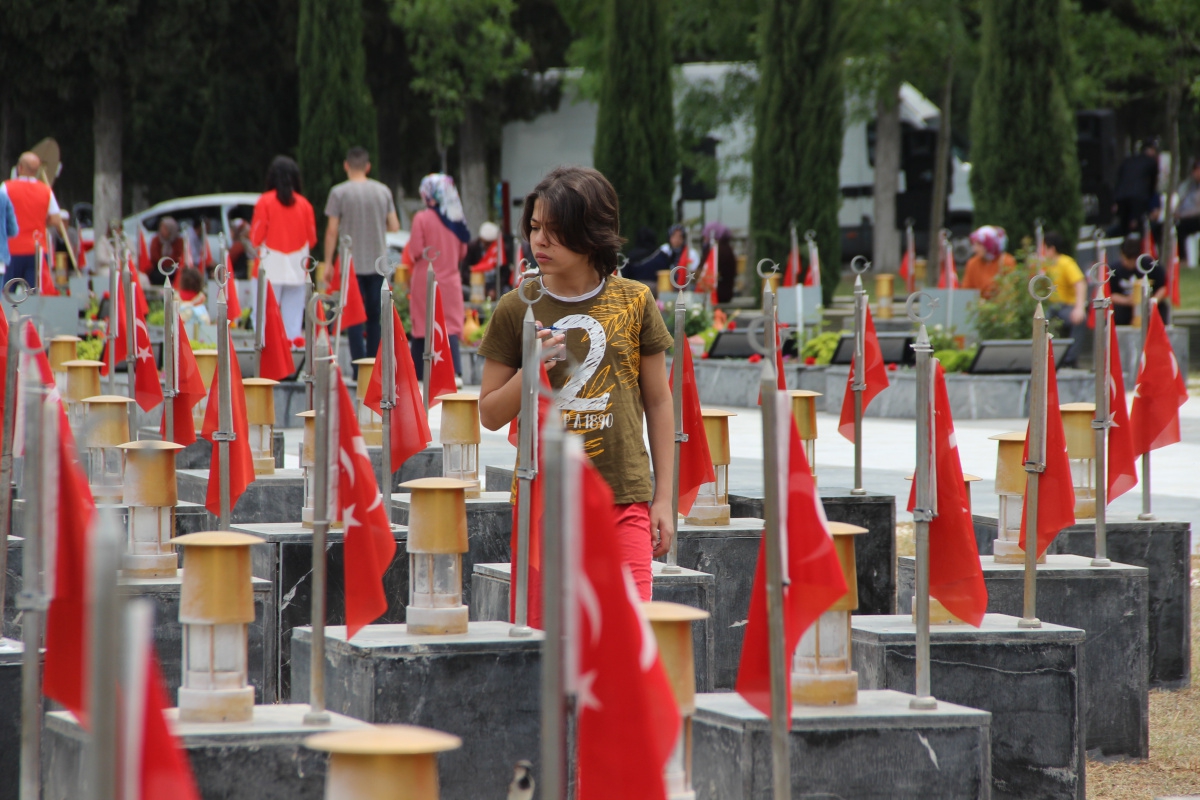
<point x="284" y="225"/>
<point x="440" y="226"/>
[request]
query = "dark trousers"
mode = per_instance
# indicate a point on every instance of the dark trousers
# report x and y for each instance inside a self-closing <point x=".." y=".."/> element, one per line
<point x="1076" y="332"/>
<point x="417" y="348"/>
<point x="364" y="339"/>
<point x="24" y="267"/>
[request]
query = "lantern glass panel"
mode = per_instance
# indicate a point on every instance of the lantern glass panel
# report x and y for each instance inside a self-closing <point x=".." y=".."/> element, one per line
<point x="107" y="467"/>
<point x="825" y="646"/>
<point x="260" y="441"/>
<point x="214" y="656"/>
<point x="676" y="773"/>
<point x="460" y="461"/>
<point x="149" y="529"/>
<point x="436" y="580"/>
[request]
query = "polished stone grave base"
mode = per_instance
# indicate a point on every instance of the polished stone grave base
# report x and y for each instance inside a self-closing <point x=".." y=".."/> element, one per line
<point x="879" y="749"/>
<point x="425" y="464"/>
<point x="874" y="552"/>
<point x="11" y="653"/>
<point x="482" y="686"/>
<point x="269" y="498"/>
<point x="198" y="454"/>
<point x="189" y="517"/>
<point x="1029" y="678"/>
<point x="285" y="561"/>
<point x="168" y="634"/>
<point x="489" y="531"/>
<point x="1161" y="546"/>
<point x="491" y="591"/>
<point x="1111" y="605"/>
<point x="264" y="759"/>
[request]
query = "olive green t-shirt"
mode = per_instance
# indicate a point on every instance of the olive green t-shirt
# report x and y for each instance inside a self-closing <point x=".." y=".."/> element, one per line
<point x="606" y="335"/>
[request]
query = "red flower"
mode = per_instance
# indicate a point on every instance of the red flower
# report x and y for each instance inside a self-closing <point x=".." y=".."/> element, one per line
<point x="891" y="367"/>
<point x="732" y="326"/>
<point x="298" y="343"/>
<point x="810" y="361"/>
<point x="704" y="354"/>
<point x="755" y="358"/>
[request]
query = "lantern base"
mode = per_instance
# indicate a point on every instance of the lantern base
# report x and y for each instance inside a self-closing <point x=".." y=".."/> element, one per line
<point x="372" y="437"/>
<point x="306" y="520"/>
<point x="938" y="613"/>
<point x="221" y="705"/>
<point x="708" y="516"/>
<point x="1085" y="503"/>
<point x="1006" y="551"/>
<point x="264" y="465"/>
<point x="434" y="621"/>
<point x="108" y="495"/>
<point x="162" y="565"/>
<point x="840" y="689"/>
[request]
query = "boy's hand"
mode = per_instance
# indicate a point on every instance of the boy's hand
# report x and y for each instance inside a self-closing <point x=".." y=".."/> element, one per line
<point x="553" y="347"/>
<point x="662" y="527"/>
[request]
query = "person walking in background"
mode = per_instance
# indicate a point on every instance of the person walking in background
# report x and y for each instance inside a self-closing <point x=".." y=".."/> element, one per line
<point x="988" y="260"/>
<point x="8" y="228"/>
<point x="364" y="210"/>
<point x="284" y="223"/>
<point x="1125" y="276"/>
<point x="726" y="259"/>
<point x="1136" y="193"/>
<point x="1187" y="212"/>
<point x="241" y="251"/>
<point x="167" y="243"/>
<point x="35" y="208"/>
<point x="441" y="227"/>
<point x="1069" y="300"/>
<point x="646" y="258"/>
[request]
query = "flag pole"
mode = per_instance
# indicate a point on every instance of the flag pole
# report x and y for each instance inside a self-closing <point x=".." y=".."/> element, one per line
<point x="310" y="331"/>
<point x="781" y="768"/>
<point x="130" y="340"/>
<point x="1148" y="303"/>
<point x="346" y="254"/>
<point x="323" y="452"/>
<point x="859" y="265"/>
<point x="672" y="565"/>
<point x="910" y="250"/>
<point x="16" y="292"/>
<point x="814" y="262"/>
<point x="260" y="316"/>
<point x="1102" y="369"/>
<point x="430" y="255"/>
<point x="1035" y="445"/>
<point x="170" y="343"/>
<point x="554" y="707"/>
<point x="114" y="277"/>
<point x="926" y="505"/>
<point x="797" y="280"/>
<point x="224" y="434"/>
<point x="104" y="658"/>
<point x="527" y="461"/>
<point x="387" y="380"/>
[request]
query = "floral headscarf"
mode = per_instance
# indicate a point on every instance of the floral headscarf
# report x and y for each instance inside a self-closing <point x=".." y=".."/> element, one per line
<point x="438" y="192"/>
<point x="992" y="238"/>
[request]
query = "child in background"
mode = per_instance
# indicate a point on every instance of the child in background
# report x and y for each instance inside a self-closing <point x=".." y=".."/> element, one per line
<point x="192" y="300"/>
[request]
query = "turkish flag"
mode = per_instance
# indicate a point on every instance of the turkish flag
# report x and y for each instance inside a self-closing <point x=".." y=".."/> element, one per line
<point x="812" y="278"/>
<point x="534" y="606"/>
<point x="490" y="258"/>
<point x="233" y="305"/>
<point x="241" y="462"/>
<point x="4" y="357"/>
<point x="1122" y="462"/>
<point x="955" y="573"/>
<point x="147" y="390"/>
<point x="695" y="462"/>
<point x="441" y="377"/>
<point x="370" y="546"/>
<point x="948" y="274"/>
<point x="410" y="424"/>
<point x="780" y="376"/>
<point x="1056" y="490"/>
<point x="163" y="766"/>
<point x="143" y="261"/>
<point x="813" y="579"/>
<point x="791" y="274"/>
<point x="1160" y="391"/>
<point x="46" y="278"/>
<point x="709" y="271"/>
<point x="1102" y="290"/>
<point x="276" y="361"/>
<point x="1173" y="275"/>
<point x="877" y="379"/>
<point x="189" y="388"/>
<point x="353" y="310"/>
<point x="628" y="720"/>
<point x="1149" y="248"/>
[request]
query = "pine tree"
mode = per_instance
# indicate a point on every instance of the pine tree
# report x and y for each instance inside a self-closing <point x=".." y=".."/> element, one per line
<point x="635" y="129"/>
<point x="799" y="114"/>
<point x="336" y="110"/>
<point x="1024" y="164"/>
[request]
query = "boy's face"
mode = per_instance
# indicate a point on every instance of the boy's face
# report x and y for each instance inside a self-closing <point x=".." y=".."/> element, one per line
<point x="552" y="257"/>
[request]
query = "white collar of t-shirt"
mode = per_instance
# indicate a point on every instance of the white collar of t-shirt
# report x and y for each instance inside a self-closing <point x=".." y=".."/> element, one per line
<point x="579" y="298"/>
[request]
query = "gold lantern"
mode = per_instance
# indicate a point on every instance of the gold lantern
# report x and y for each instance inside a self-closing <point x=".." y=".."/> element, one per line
<point x="821" y="673"/>
<point x="804" y="411"/>
<point x="712" y="501"/>
<point x="384" y="762"/>
<point x="460" y="439"/>
<point x="308" y="459"/>
<point x="82" y="382"/>
<point x="478" y="286"/>
<point x="664" y="281"/>
<point x="1081" y="450"/>
<point x="151" y="494"/>
<point x="206" y="363"/>
<point x="672" y="626"/>
<point x="437" y="538"/>
<point x="884" y="292"/>
<point x="369" y="423"/>
<point x="260" y="416"/>
<point x="107" y="425"/>
<point x="773" y="280"/>
<point x="1010" y="488"/>
<point x="968" y="479"/>
<point x="216" y="605"/>
<point x="62" y="350"/>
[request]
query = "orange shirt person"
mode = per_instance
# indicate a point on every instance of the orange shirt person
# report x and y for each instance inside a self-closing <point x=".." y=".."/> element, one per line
<point x="988" y="260"/>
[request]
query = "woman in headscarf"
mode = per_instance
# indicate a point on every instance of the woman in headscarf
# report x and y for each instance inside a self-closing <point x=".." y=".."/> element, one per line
<point x="989" y="258"/>
<point x="284" y="222"/>
<point x="441" y="228"/>
<point x="167" y="243"/>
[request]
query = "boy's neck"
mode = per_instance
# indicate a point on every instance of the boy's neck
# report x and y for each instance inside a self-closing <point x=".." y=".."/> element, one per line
<point x="572" y="285"/>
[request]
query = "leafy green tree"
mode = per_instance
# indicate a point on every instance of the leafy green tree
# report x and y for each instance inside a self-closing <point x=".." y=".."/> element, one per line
<point x="1024" y="164"/>
<point x="336" y="109"/>
<point x="799" y="114"/>
<point x="635" y="128"/>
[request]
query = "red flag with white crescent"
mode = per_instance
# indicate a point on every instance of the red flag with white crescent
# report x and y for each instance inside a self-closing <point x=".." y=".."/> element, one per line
<point x="1122" y="463"/>
<point x="410" y="424"/>
<point x="1056" y="489"/>
<point x="877" y="379"/>
<point x="1160" y="391"/>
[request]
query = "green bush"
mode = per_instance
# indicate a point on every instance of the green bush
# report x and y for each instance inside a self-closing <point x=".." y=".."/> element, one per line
<point x="821" y="347"/>
<point x="955" y="360"/>
<point x="156" y="317"/>
<point x="1008" y="314"/>
<point x="90" y="349"/>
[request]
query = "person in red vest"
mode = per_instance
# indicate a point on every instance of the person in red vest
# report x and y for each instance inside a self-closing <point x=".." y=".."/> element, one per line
<point x="36" y="208"/>
<point x="166" y="243"/>
<point x="284" y="222"/>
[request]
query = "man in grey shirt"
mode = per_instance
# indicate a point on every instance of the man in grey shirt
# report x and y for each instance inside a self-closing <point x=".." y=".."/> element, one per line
<point x="362" y="209"/>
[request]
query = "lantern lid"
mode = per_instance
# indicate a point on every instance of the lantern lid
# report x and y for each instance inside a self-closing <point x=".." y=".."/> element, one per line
<point x="216" y="539"/>
<point x="969" y="478"/>
<point x="384" y="740"/>
<point x="717" y="412"/>
<point x="660" y="611"/>
<point x="66" y="338"/>
<point x="459" y="397"/>
<point x="363" y="361"/>
<point x="259" y="382"/>
<point x="844" y="529"/>
<point x="150" y="444"/>
<point x="436" y="483"/>
<point x="310" y="414"/>
<point x="82" y="362"/>
<point x="1011" y="436"/>
<point x="207" y="352"/>
<point x="1078" y="407"/>
<point x="804" y="393"/>
<point x="114" y="399"/>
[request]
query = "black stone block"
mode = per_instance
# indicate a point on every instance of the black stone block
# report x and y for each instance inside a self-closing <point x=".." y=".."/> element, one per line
<point x="269" y="498"/>
<point x="1028" y="678"/>
<point x="1111" y="605"/>
<point x="11" y="653"/>
<point x="198" y="454"/>
<point x="482" y="686"/>
<point x="12" y="586"/>
<point x="425" y="464"/>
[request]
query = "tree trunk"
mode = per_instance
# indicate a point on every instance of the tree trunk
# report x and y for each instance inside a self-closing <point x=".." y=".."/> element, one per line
<point x="937" y="212"/>
<point x="886" y="250"/>
<point x="106" y="129"/>
<point x="472" y="166"/>
<point x="6" y="126"/>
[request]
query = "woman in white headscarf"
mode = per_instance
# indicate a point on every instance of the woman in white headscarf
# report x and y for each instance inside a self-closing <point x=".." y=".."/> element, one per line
<point x="441" y="228"/>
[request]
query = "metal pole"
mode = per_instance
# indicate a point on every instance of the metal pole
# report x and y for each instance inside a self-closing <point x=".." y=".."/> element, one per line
<point x="387" y="379"/>
<point x="347" y="261"/>
<point x="1148" y="302"/>
<point x="224" y="433"/>
<point x="310" y="330"/>
<point x="260" y="320"/>
<point x="1036" y="463"/>
<point x="323" y="450"/>
<point x="781" y="768"/>
<point x="527" y="464"/>
<point x="427" y="358"/>
<point x="672" y="566"/>
<point x="1102" y="369"/>
<point x="170" y="360"/>
<point x="923" y="514"/>
<point x="553" y="706"/>
<point x="860" y="366"/>
<point x="114" y="278"/>
<point x="104" y="658"/>
<point x="6" y="444"/>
